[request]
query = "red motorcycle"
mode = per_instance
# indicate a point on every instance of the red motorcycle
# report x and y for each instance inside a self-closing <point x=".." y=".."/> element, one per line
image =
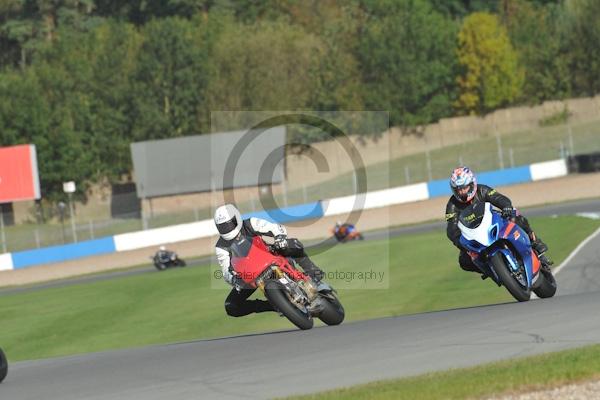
<point x="291" y="292"/>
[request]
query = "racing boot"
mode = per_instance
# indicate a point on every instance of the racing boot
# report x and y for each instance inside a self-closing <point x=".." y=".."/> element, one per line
<point x="540" y="249"/>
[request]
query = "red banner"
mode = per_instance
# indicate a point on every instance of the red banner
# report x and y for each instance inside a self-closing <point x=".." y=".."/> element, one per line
<point x="19" y="179"/>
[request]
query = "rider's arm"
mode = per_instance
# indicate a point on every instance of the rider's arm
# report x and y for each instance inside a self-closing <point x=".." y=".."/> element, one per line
<point x="452" y="230"/>
<point x="264" y="227"/>
<point x="224" y="260"/>
<point x="497" y="199"/>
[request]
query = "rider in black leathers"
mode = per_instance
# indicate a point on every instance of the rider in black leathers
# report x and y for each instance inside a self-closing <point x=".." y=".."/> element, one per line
<point x="466" y="192"/>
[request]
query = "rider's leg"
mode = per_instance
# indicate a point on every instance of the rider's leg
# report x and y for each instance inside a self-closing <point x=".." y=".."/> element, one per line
<point x="536" y="243"/>
<point x="238" y="305"/>
<point x="295" y="250"/>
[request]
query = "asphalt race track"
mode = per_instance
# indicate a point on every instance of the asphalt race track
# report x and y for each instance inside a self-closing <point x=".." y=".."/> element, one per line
<point x="294" y="362"/>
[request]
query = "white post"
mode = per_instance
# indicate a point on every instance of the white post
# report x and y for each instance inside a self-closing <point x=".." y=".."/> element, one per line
<point x="91" y="226"/>
<point x="36" y="234"/>
<point x="72" y="215"/>
<point x="407" y="174"/>
<point x="284" y="187"/>
<point x="511" y="157"/>
<point x="2" y="228"/>
<point x="304" y="194"/>
<point x="571" y="147"/>
<point x="499" y="142"/>
<point x="428" y="159"/>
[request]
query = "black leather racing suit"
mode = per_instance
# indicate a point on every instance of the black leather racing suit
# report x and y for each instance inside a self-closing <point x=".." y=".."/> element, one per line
<point x="454" y="207"/>
<point x="237" y="303"/>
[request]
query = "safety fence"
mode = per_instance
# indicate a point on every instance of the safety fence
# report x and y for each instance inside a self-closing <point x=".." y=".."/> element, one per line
<point x="313" y="210"/>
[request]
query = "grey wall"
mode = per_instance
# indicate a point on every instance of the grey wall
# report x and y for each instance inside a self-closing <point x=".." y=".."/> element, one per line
<point x="198" y="163"/>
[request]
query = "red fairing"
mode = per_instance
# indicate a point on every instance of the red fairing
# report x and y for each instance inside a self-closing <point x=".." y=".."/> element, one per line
<point x="258" y="260"/>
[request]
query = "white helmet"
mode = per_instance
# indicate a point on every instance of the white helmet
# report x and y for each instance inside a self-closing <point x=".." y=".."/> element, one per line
<point x="162" y="248"/>
<point x="228" y="221"/>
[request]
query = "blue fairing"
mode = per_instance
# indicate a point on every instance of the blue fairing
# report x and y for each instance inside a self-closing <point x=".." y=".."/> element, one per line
<point x="500" y="233"/>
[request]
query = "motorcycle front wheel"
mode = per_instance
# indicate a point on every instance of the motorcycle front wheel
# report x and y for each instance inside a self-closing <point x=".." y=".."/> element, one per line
<point x="160" y="266"/>
<point x="510" y="282"/>
<point x="333" y="312"/>
<point x="277" y="296"/>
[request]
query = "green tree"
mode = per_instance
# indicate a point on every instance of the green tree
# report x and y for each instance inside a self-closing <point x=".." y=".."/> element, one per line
<point x="491" y="76"/>
<point x="539" y="35"/>
<point x="266" y="66"/>
<point x="584" y="53"/>
<point x="407" y="58"/>
<point x="171" y="80"/>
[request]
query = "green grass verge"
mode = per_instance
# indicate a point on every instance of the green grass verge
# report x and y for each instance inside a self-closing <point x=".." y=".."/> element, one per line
<point x="181" y="304"/>
<point x="518" y="376"/>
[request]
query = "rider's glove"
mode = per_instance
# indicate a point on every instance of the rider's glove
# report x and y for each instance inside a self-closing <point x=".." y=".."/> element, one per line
<point x="281" y="242"/>
<point x="509" y="212"/>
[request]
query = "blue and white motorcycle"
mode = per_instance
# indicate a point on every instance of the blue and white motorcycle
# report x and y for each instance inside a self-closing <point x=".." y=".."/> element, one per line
<point x="502" y="251"/>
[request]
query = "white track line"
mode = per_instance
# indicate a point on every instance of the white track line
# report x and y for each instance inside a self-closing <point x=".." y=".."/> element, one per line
<point x="574" y="252"/>
<point x="556" y="270"/>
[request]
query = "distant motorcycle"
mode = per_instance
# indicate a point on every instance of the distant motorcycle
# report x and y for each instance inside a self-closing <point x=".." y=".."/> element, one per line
<point x="346" y="232"/>
<point x="3" y="366"/>
<point x="164" y="259"/>
<point x="502" y="251"/>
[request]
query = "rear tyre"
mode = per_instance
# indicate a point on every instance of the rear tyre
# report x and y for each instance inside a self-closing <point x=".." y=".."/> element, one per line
<point x="548" y="286"/>
<point x="519" y="292"/>
<point x="3" y="366"/>
<point x="277" y="296"/>
<point x="333" y="312"/>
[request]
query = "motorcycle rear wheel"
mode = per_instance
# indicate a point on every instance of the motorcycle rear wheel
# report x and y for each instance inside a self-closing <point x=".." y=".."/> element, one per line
<point x="548" y="286"/>
<point x="3" y="366"/>
<point x="277" y="296"/>
<point x="508" y="281"/>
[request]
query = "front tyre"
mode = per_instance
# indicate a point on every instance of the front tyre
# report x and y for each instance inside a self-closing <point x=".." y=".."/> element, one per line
<point x="333" y="312"/>
<point x="277" y="296"/>
<point x="511" y="284"/>
<point x="160" y="266"/>
<point x="3" y="366"/>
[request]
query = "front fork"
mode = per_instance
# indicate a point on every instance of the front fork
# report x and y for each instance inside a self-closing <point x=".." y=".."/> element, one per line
<point x="303" y="294"/>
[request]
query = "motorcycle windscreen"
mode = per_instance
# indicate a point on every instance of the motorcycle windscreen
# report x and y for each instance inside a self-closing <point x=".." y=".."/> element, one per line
<point x="241" y="248"/>
<point x="472" y="216"/>
<point x="475" y="223"/>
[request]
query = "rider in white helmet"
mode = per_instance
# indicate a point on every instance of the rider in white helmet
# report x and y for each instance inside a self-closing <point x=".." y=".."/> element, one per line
<point x="162" y="254"/>
<point x="231" y="227"/>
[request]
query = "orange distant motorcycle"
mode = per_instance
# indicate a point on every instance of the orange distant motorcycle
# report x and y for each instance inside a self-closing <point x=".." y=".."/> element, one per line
<point x="346" y="232"/>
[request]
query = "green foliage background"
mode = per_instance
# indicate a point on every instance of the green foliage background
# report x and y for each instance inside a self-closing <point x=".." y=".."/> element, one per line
<point x="82" y="79"/>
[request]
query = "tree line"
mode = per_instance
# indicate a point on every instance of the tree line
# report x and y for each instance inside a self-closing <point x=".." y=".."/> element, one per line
<point x="82" y="79"/>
